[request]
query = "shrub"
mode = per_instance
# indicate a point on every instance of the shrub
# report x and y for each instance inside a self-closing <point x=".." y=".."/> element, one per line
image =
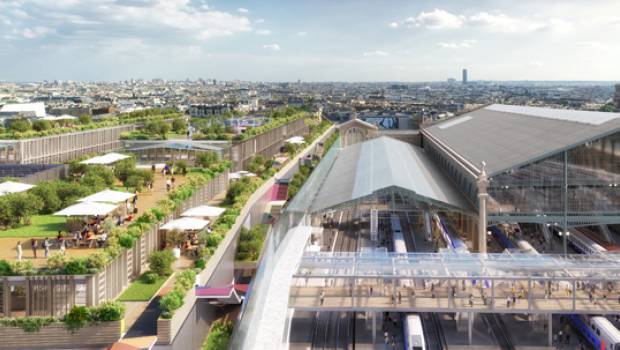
<point x="5" y="268"/>
<point x="186" y="280"/>
<point x="77" y="317"/>
<point x="179" y="126"/>
<point x="20" y="125"/>
<point x="40" y="125"/>
<point x="97" y="260"/>
<point x="219" y="335"/>
<point x="206" y="159"/>
<point x="76" y="266"/>
<point x="23" y="268"/>
<point x="29" y="324"/>
<point x="200" y="264"/>
<point x="108" y="311"/>
<point x="85" y="119"/>
<point x="149" y="277"/>
<point x="126" y="240"/>
<point x="160" y="262"/>
<point x="170" y="302"/>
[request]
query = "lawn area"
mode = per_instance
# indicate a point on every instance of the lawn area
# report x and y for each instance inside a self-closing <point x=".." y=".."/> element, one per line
<point x="42" y="226"/>
<point x="140" y="291"/>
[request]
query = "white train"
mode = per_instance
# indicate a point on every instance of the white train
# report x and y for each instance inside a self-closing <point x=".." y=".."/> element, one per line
<point x="606" y="332"/>
<point x="526" y="247"/>
<point x="397" y="235"/>
<point x="412" y="324"/>
<point x="414" y="333"/>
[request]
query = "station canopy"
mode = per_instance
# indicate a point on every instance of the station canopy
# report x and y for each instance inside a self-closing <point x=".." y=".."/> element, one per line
<point x="204" y="211"/>
<point x="88" y="209"/>
<point x="108" y="196"/>
<point x="186" y="224"/>
<point x="507" y="137"/>
<point x="364" y="169"/>
<point x="106" y="159"/>
<point x="13" y="187"/>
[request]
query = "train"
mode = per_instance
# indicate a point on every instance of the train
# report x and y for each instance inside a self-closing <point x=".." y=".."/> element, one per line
<point x="453" y="242"/>
<point x="503" y="240"/>
<point x="414" y="333"/>
<point x="598" y="331"/>
<point x="412" y="324"/>
<point x="398" y="240"/>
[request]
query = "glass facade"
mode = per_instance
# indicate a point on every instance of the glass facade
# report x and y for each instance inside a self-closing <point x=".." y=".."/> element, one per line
<point x="592" y="175"/>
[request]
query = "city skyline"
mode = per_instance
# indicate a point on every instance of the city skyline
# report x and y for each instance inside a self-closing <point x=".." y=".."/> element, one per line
<point x="319" y="41"/>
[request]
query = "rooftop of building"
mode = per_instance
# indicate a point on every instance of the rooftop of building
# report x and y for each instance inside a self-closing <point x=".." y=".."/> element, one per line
<point x="506" y="137"/>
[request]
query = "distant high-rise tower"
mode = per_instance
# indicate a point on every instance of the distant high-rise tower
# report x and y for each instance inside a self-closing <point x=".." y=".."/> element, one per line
<point x="617" y="98"/>
<point x="464" y="76"/>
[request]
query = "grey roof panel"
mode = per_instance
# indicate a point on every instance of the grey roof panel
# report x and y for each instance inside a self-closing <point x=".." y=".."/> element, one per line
<point x="504" y="137"/>
<point x="367" y="167"/>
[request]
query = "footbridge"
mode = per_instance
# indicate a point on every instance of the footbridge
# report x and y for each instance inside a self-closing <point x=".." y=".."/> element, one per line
<point x="451" y="282"/>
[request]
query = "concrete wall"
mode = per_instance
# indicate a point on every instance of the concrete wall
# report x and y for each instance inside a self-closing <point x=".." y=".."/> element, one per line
<point x="195" y="327"/>
<point x="56" y="336"/>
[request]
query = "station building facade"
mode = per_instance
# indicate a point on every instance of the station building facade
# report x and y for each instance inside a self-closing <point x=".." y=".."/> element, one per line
<point x="543" y="165"/>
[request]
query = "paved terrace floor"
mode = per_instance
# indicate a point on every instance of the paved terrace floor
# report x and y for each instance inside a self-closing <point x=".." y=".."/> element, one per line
<point x="146" y="200"/>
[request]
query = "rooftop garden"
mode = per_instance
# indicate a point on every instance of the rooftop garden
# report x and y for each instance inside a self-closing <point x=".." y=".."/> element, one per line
<point x="215" y="128"/>
<point x="25" y="128"/>
<point x="49" y="196"/>
<point x="158" y="130"/>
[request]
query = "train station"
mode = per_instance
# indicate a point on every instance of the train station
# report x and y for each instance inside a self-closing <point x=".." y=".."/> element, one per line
<point x="494" y="229"/>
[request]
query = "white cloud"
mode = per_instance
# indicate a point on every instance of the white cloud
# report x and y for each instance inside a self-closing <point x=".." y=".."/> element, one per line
<point x="272" y="47"/>
<point x="436" y="19"/>
<point x="263" y="32"/>
<point x="463" y="44"/>
<point x="259" y="21"/>
<point x="36" y="32"/>
<point x="491" y="21"/>
<point x="164" y="21"/>
<point x="302" y="33"/>
<point x="243" y="10"/>
<point x="536" y="64"/>
<point x="376" y="53"/>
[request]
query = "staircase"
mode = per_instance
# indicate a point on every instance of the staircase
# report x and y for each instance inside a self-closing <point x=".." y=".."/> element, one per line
<point x="279" y="192"/>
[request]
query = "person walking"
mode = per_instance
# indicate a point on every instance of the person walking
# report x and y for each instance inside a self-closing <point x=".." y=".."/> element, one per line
<point x="168" y="185"/>
<point x="62" y="247"/>
<point x="18" y="248"/>
<point x="33" y="245"/>
<point x="322" y="297"/>
<point x="46" y="246"/>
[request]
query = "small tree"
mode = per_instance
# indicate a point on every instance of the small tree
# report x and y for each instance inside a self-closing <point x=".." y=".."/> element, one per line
<point x="85" y="119"/>
<point x="41" y="125"/>
<point x="176" y="237"/>
<point x="206" y="159"/>
<point x="161" y="261"/>
<point x="20" y="125"/>
<point x="179" y="126"/>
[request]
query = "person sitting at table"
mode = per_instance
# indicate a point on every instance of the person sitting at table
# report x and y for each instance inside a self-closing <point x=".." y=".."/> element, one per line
<point x="101" y="241"/>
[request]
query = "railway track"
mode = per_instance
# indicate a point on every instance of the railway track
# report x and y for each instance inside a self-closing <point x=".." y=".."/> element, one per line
<point x="499" y="330"/>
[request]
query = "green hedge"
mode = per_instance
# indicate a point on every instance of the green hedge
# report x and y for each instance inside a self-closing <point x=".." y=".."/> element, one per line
<point x="219" y="336"/>
<point x="173" y="300"/>
<point x="251" y="243"/>
<point x="78" y="316"/>
<point x="121" y="119"/>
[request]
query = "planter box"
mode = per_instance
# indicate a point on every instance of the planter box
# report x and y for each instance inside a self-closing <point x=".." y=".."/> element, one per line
<point x="56" y="335"/>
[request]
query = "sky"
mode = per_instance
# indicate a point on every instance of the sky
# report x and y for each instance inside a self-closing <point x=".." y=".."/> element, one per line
<point x="311" y="40"/>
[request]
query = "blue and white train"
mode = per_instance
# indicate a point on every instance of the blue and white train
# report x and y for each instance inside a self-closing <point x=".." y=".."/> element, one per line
<point x="412" y="324"/>
<point x="598" y="331"/>
<point x="453" y="242"/>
